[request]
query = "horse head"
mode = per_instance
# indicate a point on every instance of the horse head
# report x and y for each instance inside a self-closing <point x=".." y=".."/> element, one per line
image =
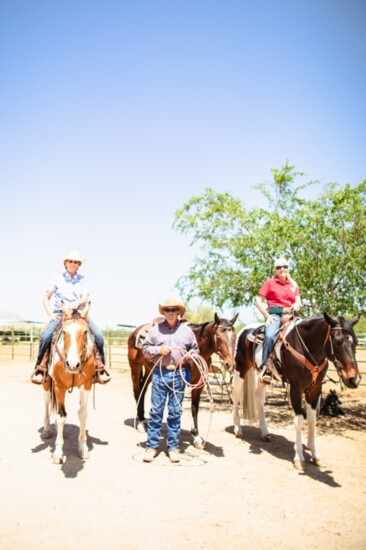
<point x="341" y="348"/>
<point x="76" y="345"/>
<point x="225" y="337"/>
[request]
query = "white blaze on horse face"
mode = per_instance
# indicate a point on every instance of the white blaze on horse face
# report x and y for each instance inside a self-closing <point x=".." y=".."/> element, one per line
<point x="73" y="356"/>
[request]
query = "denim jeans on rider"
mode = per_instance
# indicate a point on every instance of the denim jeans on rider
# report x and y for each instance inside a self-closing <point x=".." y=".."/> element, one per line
<point x="46" y="337"/>
<point x="270" y="333"/>
<point x="166" y="385"/>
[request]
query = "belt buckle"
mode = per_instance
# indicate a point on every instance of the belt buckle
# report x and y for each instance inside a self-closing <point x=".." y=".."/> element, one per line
<point x="170" y="367"/>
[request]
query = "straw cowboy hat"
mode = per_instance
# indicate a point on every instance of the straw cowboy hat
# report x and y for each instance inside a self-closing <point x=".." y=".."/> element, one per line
<point x="172" y="302"/>
<point x="73" y="255"/>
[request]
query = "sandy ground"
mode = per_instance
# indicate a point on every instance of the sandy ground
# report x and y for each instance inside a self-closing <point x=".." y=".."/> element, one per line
<point x="237" y="493"/>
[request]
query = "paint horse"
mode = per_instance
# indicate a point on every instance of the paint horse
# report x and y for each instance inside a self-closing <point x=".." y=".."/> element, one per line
<point x="217" y="336"/>
<point x="302" y="356"/>
<point x="72" y="365"/>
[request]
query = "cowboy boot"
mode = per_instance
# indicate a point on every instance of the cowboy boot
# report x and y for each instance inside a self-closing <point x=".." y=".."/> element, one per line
<point x="101" y="374"/>
<point x="41" y="370"/>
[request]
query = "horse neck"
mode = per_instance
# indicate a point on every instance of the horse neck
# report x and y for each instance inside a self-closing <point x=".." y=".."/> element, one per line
<point x="315" y="335"/>
<point x="206" y="342"/>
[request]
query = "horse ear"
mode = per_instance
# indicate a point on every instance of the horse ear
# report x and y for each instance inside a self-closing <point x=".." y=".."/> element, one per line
<point x="330" y="320"/>
<point x="65" y="310"/>
<point x="355" y="319"/>
<point x="217" y="319"/>
<point x="233" y="320"/>
<point x="84" y="312"/>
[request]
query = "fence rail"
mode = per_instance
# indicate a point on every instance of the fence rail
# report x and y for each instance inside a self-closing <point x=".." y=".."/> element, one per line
<point x="20" y="342"/>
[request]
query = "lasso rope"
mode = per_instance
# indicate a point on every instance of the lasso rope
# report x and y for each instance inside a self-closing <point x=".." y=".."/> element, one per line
<point x="203" y="381"/>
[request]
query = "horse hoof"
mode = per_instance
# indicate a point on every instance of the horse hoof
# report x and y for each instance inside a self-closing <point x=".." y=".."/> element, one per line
<point x="56" y="459"/>
<point x="317" y="462"/>
<point x="237" y="431"/>
<point x="46" y="434"/>
<point x="198" y="443"/>
<point x="299" y="465"/>
<point x="141" y="428"/>
<point x="266" y="438"/>
<point x="84" y="454"/>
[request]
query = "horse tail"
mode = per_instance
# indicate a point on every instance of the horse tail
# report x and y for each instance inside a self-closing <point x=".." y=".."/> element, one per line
<point x="250" y="412"/>
<point x="53" y="407"/>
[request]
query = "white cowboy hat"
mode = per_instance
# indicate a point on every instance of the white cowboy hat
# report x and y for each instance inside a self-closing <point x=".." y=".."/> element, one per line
<point x="73" y="255"/>
<point x="172" y="302"/>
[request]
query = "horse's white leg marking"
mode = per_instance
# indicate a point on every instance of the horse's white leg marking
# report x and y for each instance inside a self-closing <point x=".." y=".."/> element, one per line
<point x="198" y="442"/>
<point x="238" y="384"/>
<point x="260" y="396"/>
<point x="299" y="455"/>
<point x="57" y="455"/>
<point x="311" y="418"/>
<point x="84" y="396"/>
<point x="46" y="433"/>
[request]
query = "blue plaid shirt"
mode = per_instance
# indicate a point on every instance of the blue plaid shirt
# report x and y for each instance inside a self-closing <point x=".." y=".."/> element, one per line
<point x="67" y="289"/>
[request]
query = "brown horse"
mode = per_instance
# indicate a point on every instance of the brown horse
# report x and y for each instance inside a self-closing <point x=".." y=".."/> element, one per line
<point x="72" y="364"/>
<point x="217" y="336"/>
<point x="302" y="360"/>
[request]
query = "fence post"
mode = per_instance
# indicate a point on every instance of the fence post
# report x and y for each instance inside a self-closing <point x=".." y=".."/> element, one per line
<point x="12" y="343"/>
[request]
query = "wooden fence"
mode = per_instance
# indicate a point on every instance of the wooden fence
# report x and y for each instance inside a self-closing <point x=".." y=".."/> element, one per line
<point x="20" y="342"/>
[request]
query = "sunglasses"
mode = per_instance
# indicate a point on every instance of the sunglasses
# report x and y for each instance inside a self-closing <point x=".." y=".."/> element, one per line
<point x="170" y="309"/>
<point x="281" y="266"/>
<point x="72" y="261"/>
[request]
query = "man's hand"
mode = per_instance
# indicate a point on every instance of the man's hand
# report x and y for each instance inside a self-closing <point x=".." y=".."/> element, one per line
<point x="164" y="350"/>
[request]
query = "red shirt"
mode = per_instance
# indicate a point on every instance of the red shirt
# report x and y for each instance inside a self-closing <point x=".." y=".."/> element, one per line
<point x="279" y="294"/>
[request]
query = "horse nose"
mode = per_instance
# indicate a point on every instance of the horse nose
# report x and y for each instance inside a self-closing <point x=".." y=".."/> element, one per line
<point x="354" y="382"/>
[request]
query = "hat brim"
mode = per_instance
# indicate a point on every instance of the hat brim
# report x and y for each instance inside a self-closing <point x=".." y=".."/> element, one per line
<point x="180" y="307"/>
<point x="80" y="260"/>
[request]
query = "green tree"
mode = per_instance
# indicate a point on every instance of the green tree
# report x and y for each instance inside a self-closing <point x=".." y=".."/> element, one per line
<point x="324" y="240"/>
<point x="199" y="313"/>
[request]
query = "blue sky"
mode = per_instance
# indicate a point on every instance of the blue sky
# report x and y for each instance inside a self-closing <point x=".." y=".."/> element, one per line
<point x="115" y="113"/>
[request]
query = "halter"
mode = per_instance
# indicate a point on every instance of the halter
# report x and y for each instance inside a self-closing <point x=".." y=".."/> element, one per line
<point x="62" y="358"/>
<point x="315" y="369"/>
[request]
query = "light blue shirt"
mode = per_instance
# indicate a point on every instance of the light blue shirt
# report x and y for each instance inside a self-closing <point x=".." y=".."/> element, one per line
<point x="67" y="289"/>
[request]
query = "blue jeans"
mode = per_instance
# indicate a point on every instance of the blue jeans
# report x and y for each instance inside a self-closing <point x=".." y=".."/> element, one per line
<point x="164" y="385"/>
<point x="270" y="334"/>
<point x="46" y="337"/>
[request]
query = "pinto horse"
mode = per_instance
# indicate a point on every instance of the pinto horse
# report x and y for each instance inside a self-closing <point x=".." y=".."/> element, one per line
<point x="217" y="336"/>
<point x="72" y="364"/>
<point x="302" y="361"/>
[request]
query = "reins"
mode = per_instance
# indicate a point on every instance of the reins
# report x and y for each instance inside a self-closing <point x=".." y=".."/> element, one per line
<point x="314" y="369"/>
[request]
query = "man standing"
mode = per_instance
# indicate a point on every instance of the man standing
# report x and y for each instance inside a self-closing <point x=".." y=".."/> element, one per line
<point x="169" y="342"/>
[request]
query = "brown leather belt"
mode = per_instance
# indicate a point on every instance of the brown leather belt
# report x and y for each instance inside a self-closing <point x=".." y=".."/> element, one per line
<point x="170" y="367"/>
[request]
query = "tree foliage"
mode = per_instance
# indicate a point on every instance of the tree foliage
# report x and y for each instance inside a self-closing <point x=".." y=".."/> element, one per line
<point x="324" y="240"/>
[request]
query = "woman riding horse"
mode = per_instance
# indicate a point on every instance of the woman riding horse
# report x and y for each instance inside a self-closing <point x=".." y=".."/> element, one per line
<point x="70" y="289"/>
<point x="280" y="291"/>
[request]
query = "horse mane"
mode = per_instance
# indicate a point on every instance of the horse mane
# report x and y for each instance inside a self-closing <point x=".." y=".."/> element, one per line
<point x="75" y="315"/>
<point x="201" y="326"/>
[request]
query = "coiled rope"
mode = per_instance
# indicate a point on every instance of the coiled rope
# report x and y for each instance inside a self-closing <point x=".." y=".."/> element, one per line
<point x="203" y="381"/>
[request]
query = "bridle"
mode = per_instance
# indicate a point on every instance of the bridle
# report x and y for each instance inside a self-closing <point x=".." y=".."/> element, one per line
<point x="313" y="366"/>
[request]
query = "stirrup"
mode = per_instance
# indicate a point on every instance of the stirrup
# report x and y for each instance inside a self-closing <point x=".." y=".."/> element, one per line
<point x="97" y="375"/>
<point x="39" y="370"/>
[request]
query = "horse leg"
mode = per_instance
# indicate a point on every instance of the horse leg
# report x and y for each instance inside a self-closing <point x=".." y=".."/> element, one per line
<point x="311" y="418"/>
<point x="60" y="422"/>
<point x="83" y="448"/>
<point x="197" y="439"/>
<point x="260" y="396"/>
<point x="139" y="390"/>
<point x="46" y="433"/>
<point x="238" y="383"/>
<point x="295" y="396"/>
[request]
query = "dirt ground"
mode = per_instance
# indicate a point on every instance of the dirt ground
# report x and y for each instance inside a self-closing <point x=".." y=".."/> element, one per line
<point x="237" y="493"/>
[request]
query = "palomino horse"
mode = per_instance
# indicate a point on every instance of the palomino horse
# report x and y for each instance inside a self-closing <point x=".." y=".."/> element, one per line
<point x="216" y="336"/>
<point x="72" y="364"/>
<point x="302" y="361"/>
